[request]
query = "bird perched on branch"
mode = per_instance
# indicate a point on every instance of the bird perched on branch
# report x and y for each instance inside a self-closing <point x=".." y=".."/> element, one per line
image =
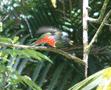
<point x="52" y="37"/>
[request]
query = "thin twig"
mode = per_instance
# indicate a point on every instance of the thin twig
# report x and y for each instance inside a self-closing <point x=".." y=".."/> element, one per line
<point x="85" y="35"/>
<point x="98" y="31"/>
<point x="102" y="12"/>
<point x="41" y="48"/>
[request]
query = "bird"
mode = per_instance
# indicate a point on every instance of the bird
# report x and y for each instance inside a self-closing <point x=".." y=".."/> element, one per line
<point x="53" y="37"/>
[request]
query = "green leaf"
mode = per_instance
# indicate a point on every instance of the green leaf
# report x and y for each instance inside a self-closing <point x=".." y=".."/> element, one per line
<point x="15" y="39"/>
<point x="36" y="55"/>
<point x="1" y="26"/>
<point x="6" y="40"/>
<point x="29" y="82"/>
<point x="27" y="53"/>
<point x="105" y="83"/>
<point x="94" y="80"/>
<point x="15" y="78"/>
<point x="90" y="82"/>
<point x="2" y="68"/>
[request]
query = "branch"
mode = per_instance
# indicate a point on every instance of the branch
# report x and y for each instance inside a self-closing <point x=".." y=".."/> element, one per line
<point x="102" y="12"/>
<point x="85" y="35"/>
<point x="41" y="48"/>
<point x="98" y="31"/>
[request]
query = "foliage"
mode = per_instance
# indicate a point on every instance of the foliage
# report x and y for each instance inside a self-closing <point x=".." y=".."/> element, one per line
<point x="9" y="79"/>
<point x="98" y="81"/>
<point x="19" y="21"/>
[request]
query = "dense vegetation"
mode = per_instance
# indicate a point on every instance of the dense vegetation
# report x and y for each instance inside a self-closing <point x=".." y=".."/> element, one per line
<point x="25" y="67"/>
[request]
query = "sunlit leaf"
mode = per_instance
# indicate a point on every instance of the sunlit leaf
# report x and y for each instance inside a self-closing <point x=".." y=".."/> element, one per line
<point x="15" y="39"/>
<point x="85" y="84"/>
<point x="105" y="83"/>
<point x="54" y="3"/>
<point x="6" y="40"/>
<point x="102" y="79"/>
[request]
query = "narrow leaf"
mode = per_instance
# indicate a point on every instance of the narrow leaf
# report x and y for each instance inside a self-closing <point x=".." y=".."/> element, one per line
<point x="29" y="82"/>
<point x="27" y="53"/>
